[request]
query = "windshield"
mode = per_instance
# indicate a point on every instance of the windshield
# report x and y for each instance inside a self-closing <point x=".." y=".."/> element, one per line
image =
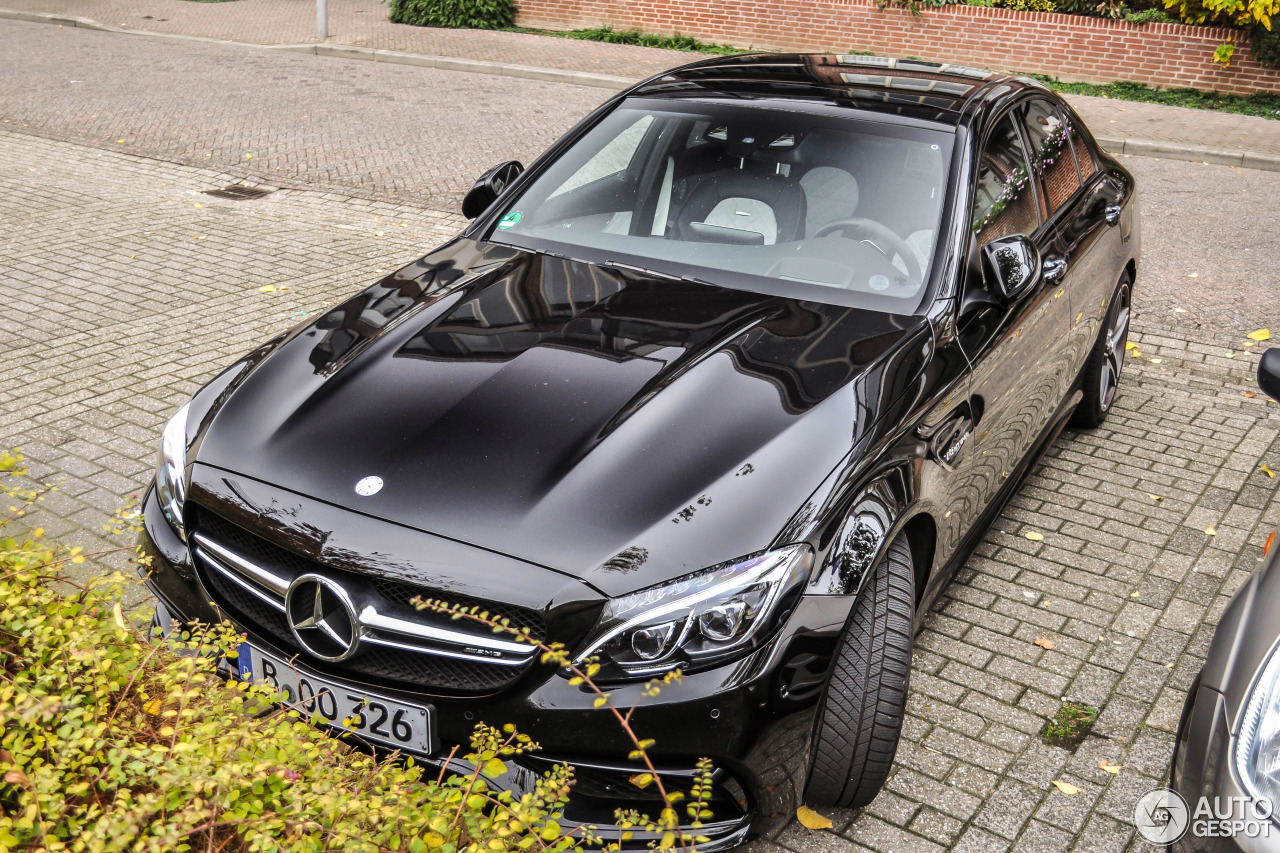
<point x="746" y="195"/>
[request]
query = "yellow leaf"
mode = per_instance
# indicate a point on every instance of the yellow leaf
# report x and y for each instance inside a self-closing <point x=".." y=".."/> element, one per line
<point x="119" y="141"/>
<point x="1034" y="536"/>
<point x="1155" y="497"/>
<point x="118" y="615"/>
<point x="1045" y="643"/>
<point x="267" y="288"/>
<point x="1078" y="316"/>
<point x="1066" y="787"/>
<point x="1263" y="468"/>
<point x="642" y="780"/>
<point x="153" y="707"/>
<point x="1230" y="355"/>
<point x="1210" y="530"/>
<point x="810" y="819"/>
<point x="1058" y="294"/>
<point x="494" y="767"/>
<point x="1179" y="310"/>
<point x="166" y="731"/>
<point x="1135" y="594"/>
<point x="1156" y="360"/>
<point x="248" y="156"/>
<point x="1130" y="345"/>
<point x="1193" y="275"/>
<point x="1113" y="769"/>
<point x="1260" y="335"/>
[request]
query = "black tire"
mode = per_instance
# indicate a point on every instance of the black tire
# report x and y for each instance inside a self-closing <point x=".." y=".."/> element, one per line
<point x="1106" y="361"/>
<point x="859" y="716"/>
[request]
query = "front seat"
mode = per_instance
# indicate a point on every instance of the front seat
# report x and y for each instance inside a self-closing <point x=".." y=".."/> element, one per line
<point x="765" y="204"/>
<point x="831" y="194"/>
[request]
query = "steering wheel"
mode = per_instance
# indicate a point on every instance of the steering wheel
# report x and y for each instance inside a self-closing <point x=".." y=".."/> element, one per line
<point x="871" y="228"/>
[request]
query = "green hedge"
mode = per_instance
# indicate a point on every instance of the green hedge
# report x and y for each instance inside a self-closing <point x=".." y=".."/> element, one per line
<point x="109" y="742"/>
<point x="469" y="14"/>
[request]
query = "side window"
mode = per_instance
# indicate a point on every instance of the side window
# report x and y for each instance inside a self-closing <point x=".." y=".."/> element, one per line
<point x="1084" y="156"/>
<point x="1005" y="202"/>
<point x="613" y="158"/>
<point x="1051" y="154"/>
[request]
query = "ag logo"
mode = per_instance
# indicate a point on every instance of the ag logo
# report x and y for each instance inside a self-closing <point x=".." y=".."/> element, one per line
<point x="369" y="486"/>
<point x="1161" y="816"/>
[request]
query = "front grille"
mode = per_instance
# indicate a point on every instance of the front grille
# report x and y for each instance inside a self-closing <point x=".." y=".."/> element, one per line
<point x="245" y="604"/>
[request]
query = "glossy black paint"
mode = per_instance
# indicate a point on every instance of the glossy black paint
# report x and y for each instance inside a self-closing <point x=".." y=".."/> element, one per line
<point x="553" y="433"/>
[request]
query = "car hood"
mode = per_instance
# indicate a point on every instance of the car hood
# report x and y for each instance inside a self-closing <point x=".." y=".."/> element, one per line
<point x="622" y="428"/>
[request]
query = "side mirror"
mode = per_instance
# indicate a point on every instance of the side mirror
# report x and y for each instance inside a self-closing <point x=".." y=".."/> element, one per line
<point x="1269" y="373"/>
<point x="1012" y="265"/>
<point x="488" y="187"/>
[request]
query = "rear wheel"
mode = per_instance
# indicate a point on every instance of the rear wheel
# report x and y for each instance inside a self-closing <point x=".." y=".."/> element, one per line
<point x="1102" y="373"/>
<point x="860" y="713"/>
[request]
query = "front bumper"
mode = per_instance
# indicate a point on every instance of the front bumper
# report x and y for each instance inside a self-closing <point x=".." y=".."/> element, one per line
<point x="748" y="717"/>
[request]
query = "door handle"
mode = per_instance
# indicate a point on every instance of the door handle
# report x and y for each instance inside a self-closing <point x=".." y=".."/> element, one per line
<point x="1054" y="267"/>
<point x="950" y="439"/>
<point x="1112" y="213"/>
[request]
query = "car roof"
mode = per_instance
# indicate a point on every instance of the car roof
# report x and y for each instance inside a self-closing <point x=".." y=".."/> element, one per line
<point x="912" y="88"/>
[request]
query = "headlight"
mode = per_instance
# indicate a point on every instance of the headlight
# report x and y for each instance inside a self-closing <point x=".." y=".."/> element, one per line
<point x="1258" y="746"/>
<point x="171" y="482"/>
<point x="701" y="619"/>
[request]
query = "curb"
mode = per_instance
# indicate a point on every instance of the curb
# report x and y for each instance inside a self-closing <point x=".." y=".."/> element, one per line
<point x="1134" y="147"/>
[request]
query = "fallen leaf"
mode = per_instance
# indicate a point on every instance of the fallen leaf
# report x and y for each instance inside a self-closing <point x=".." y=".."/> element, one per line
<point x="1264" y="469"/>
<point x="1066" y="787"/>
<point x="1193" y="275"/>
<point x="1130" y="345"/>
<point x="1135" y="594"/>
<point x="1078" y="316"/>
<point x="810" y="819"/>
<point x="1045" y="643"/>
<point x="1250" y="394"/>
<point x="1046" y="603"/>
<point x="1259" y="335"/>
<point x="1155" y="497"/>
<point x="1179" y="310"/>
<point x="1034" y="536"/>
<point x="153" y="707"/>
<point x="1270" y="539"/>
<point x="1113" y="769"/>
<point x="1250" y="344"/>
<point x="1156" y="360"/>
<point x="267" y="288"/>
<point x="1230" y="355"/>
<point x="1210" y="530"/>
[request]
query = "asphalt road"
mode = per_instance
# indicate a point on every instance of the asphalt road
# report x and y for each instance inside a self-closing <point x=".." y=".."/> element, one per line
<point x="122" y="288"/>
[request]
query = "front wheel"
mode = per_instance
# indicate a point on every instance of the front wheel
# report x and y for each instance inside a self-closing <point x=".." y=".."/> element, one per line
<point x="1102" y="373"/>
<point x="859" y="717"/>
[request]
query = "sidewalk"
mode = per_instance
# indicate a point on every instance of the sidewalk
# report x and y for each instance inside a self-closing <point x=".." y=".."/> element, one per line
<point x="359" y="28"/>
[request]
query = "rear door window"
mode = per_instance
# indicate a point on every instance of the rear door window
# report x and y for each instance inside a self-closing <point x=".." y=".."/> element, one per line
<point x="1051" y="154"/>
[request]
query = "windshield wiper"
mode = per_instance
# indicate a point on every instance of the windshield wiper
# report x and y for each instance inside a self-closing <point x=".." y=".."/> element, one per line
<point x="618" y="265"/>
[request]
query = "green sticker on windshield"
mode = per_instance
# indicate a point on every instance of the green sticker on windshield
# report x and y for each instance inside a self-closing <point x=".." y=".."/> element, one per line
<point x="509" y="220"/>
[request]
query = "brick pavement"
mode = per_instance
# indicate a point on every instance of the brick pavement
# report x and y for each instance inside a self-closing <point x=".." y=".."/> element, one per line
<point x="122" y="295"/>
<point x="364" y="23"/>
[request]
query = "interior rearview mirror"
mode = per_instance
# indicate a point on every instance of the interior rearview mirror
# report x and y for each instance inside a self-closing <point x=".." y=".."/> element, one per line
<point x="488" y="186"/>
<point x="1011" y="264"/>
<point x="1269" y="373"/>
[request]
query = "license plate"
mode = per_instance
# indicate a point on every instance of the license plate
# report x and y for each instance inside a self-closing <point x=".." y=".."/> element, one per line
<point x="374" y="718"/>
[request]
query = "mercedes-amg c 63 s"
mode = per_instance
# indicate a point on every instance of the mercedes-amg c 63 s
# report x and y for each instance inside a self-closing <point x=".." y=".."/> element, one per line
<point x="729" y="381"/>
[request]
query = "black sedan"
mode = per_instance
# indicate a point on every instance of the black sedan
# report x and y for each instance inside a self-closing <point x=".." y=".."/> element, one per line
<point x="729" y="381"/>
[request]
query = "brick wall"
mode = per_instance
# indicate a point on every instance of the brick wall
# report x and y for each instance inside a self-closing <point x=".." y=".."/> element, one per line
<point x="1070" y="47"/>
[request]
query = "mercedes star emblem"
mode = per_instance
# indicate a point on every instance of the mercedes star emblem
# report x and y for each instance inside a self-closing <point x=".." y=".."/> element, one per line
<point x="369" y="486"/>
<point x="322" y="618"/>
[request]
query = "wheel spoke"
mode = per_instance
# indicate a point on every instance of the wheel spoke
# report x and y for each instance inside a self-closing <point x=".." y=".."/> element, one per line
<point x="1120" y="331"/>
